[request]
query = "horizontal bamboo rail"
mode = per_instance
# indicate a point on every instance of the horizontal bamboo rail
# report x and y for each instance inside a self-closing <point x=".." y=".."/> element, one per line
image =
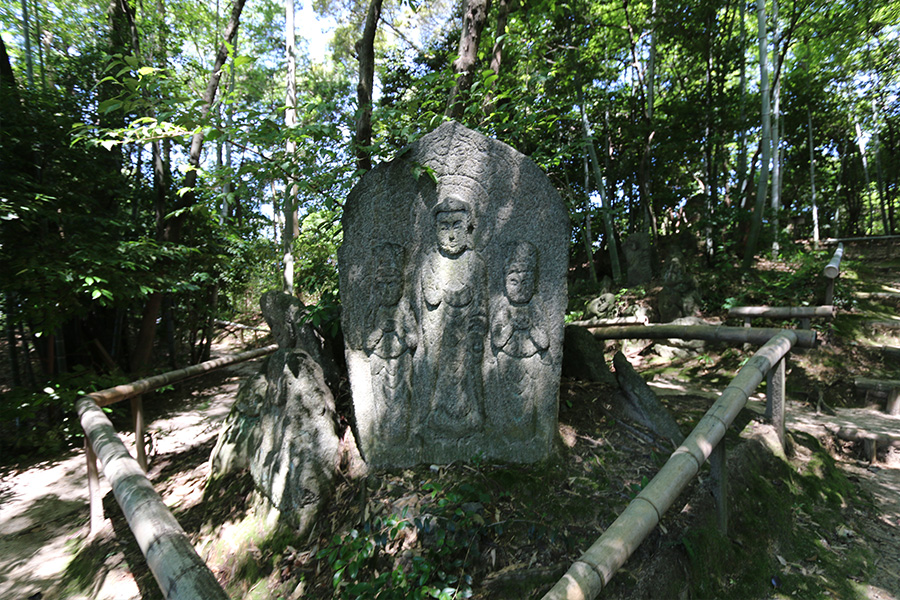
<point x="592" y="572"/>
<point x="710" y="333"/>
<point x="180" y="573"/>
<point x="783" y="312"/>
<point x="612" y="321"/>
<point x="803" y="313"/>
<point x="871" y="238"/>
<point x="136" y="388"/>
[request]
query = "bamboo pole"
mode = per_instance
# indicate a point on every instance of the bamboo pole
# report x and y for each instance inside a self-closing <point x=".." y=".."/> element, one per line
<point x="179" y="571"/>
<point x="775" y="398"/>
<point x="129" y="390"/>
<point x="709" y="333"/>
<point x="783" y="312"/>
<point x="140" y="442"/>
<point x="872" y="238"/>
<point x="611" y="321"/>
<point x="93" y="477"/>
<point x="181" y="574"/>
<point x="593" y="571"/>
<point x="833" y="268"/>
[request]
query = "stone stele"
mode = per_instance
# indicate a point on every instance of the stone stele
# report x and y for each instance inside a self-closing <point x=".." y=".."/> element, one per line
<point x="453" y="286"/>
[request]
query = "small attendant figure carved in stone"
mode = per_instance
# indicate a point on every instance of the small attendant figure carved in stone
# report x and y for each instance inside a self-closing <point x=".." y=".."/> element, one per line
<point x="392" y="341"/>
<point x="517" y="337"/>
<point x="454" y="321"/>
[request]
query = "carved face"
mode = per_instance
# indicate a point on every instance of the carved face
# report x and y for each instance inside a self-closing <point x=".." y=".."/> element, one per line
<point x="520" y="286"/>
<point x="389" y="290"/>
<point x="453" y="231"/>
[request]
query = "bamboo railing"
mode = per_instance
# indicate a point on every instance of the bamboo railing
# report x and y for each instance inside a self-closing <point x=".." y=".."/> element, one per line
<point x="592" y="572"/>
<point x="710" y="333"/>
<point x="180" y="573"/>
<point x="832" y="270"/>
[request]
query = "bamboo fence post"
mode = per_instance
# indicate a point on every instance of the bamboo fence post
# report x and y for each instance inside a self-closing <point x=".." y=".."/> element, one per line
<point x="893" y="402"/>
<point x="93" y="477"/>
<point x="719" y="470"/>
<point x="832" y="270"/>
<point x="775" y="398"/>
<point x="884" y="386"/>
<point x="140" y="445"/>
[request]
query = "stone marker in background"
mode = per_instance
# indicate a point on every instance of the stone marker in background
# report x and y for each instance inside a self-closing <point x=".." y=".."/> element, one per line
<point x="453" y="290"/>
<point x="638" y="258"/>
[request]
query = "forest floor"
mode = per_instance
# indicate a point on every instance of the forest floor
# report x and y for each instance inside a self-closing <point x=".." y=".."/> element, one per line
<point x="820" y="523"/>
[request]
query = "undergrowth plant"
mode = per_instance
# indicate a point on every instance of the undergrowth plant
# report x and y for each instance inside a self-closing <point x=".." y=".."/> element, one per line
<point x="400" y="556"/>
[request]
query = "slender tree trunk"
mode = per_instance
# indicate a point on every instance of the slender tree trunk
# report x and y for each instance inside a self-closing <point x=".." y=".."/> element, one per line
<point x="503" y="11"/>
<point x="868" y="192"/>
<point x="647" y="156"/>
<point x="812" y="180"/>
<point x="588" y="234"/>
<point x="26" y="34"/>
<point x="11" y="341"/>
<point x="709" y="244"/>
<point x="474" y="17"/>
<point x="879" y="180"/>
<point x="291" y="189"/>
<point x="604" y="205"/>
<point x="742" y="138"/>
<point x="365" y="50"/>
<point x="39" y="37"/>
<point x="776" y="142"/>
<point x="144" y="347"/>
<point x="762" y="186"/>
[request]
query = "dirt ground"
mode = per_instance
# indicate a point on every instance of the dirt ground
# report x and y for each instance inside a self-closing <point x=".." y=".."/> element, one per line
<point x="44" y="507"/>
<point x="44" y="512"/>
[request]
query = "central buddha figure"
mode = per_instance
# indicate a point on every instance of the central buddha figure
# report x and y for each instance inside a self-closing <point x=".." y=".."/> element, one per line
<point x="454" y="321"/>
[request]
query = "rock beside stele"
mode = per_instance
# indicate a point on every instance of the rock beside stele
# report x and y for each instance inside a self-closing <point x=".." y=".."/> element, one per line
<point x="282" y="427"/>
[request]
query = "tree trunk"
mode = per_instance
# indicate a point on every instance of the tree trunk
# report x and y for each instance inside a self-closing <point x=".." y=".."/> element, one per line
<point x="474" y="17"/>
<point x="291" y="189"/>
<point x="776" y="139"/>
<point x="588" y="234"/>
<point x="812" y="180"/>
<point x="762" y="185"/>
<point x="11" y="341"/>
<point x="497" y="54"/>
<point x="742" y="138"/>
<point x="26" y="34"/>
<point x="604" y="205"/>
<point x="868" y="192"/>
<point x="172" y="232"/>
<point x="365" y="51"/>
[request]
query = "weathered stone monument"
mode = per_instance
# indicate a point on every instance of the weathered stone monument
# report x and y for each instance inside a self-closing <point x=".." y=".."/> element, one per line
<point x="453" y="290"/>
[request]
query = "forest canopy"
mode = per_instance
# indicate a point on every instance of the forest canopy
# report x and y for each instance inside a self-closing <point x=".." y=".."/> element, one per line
<point x="163" y="163"/>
